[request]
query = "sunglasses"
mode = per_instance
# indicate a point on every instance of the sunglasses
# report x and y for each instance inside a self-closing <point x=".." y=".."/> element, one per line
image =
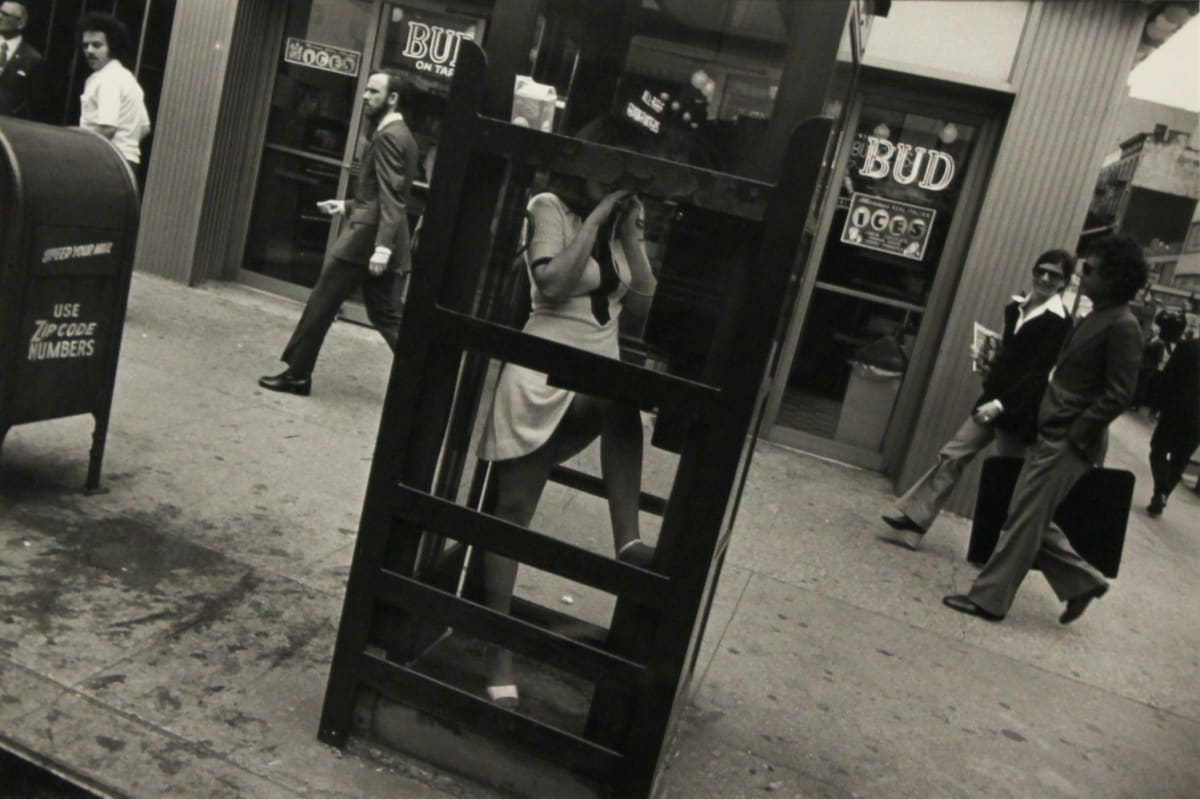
<point x="1049" y="274"/>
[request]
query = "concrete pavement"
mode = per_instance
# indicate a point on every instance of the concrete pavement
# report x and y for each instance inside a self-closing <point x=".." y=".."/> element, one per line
<point x="172" y="637"/>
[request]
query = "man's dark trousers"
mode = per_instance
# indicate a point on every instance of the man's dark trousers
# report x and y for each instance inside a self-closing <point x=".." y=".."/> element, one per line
<point x="337" y="282"/>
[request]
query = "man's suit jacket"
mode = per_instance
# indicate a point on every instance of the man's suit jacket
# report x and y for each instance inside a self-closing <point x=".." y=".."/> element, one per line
<point x="1093" y="380"/>
<point x="1177" y="389"/>
<point x="23" y="84"/>
<point x="376" y="217"/>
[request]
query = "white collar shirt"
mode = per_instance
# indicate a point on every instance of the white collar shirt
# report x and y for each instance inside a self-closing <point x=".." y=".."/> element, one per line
<point x="12" y="46"/>
<point x="1053" y="305"/>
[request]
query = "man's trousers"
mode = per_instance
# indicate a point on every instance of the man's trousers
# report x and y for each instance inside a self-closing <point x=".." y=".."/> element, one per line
<point x="1031" y="538"/>
<point x="337" y="282"/>
<point x="1171" y="447"/>
<point x="924" y="501"/>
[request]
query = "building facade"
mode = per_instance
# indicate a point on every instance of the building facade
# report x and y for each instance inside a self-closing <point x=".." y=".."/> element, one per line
<point x="972" y="138"/>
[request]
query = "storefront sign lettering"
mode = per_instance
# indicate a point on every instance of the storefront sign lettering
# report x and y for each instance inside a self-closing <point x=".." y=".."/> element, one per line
<point x="74" y="251"/>
<point x="891" y="226"/>
<point x="434" y="48"/>
<point x="64" y="335"/>
<point x="645" y="114"/>
<point x="322" y="56"/>
<point x="907" y="164"/>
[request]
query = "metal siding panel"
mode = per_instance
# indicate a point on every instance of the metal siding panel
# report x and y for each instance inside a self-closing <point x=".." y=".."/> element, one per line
<point x="1069" y="80"/>
<point x="239" y="138"/>
<point x="184" y="136"/>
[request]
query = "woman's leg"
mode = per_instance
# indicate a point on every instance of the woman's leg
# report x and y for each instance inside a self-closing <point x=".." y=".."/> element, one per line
<point x="519" y="484"/>
<point x="620" y="429"/>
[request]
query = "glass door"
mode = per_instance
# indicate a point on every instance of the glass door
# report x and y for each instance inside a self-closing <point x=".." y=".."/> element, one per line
<point x="308" y="147"/>
<point x="900" y="191"/>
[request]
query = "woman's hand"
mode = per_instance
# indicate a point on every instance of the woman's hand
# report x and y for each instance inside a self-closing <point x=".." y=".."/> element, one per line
<point x="634" y="219"/>
<point x="604" y="208"/>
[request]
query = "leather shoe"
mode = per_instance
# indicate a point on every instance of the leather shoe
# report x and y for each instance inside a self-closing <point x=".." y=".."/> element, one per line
<point x="288" y="382"/>
<point x="1157" y="503"/>
<point x="963" y="604"/>
<point x="1076" y="605"/>
<point x="908" y="533"/>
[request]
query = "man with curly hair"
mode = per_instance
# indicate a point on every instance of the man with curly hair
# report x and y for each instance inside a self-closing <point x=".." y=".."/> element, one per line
<point x="1092" y="383"/>
<point x="112" y="104"/>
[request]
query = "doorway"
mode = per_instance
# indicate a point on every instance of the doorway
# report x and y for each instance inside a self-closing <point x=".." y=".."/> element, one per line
<point x="892" y="241"/>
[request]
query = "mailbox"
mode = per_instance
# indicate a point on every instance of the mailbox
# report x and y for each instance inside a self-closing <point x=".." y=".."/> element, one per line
<point x="66" y="242"/>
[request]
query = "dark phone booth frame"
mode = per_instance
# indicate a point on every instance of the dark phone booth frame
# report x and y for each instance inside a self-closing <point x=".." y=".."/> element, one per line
<point x="401" y="600"/>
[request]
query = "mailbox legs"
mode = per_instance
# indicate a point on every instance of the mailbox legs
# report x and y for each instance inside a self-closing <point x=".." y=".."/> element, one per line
<point x="96" y="455"/>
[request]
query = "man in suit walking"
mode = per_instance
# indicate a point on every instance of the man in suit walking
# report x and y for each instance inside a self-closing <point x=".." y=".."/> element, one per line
<point x="1091" y="384"/>
<point x="373" y="248"/>
<point x="22" y="68"/>
<point x="1176" y="397"/>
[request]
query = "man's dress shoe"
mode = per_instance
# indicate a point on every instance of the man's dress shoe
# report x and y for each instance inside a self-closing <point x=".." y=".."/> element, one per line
<point x="1076" y="605"/>
<point x="908" y="533"/>
<point x="963" y="604"/>
<point x="288" y="383"/>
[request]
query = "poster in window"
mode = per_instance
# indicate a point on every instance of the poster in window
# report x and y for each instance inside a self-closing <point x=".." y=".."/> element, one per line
<point x="890" y="226"/>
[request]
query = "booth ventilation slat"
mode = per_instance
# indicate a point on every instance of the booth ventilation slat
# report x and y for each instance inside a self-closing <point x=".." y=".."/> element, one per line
<point x="434" y="696"/>
<point x="532" y="548"/>
<point x="522" y="637"/>
<point x="581" y="371"/>
<point x="739" y="197"/>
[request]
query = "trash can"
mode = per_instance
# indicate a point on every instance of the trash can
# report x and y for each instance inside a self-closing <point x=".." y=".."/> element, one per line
<point x="67" y="241"/>
<point x="875" y="375"/>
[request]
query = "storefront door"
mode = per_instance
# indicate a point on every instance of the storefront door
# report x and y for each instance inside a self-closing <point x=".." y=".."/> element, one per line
<point x="892" y="234"/>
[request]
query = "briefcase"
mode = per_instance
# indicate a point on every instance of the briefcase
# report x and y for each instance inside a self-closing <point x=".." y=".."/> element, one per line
<point x="1093" y="516"/>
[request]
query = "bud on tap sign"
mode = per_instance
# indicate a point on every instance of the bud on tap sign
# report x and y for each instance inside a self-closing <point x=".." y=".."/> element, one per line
<point x="430" y="42"/>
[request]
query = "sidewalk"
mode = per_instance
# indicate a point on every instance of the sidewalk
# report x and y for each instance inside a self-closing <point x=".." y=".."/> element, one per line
<point x="172" y="636"/>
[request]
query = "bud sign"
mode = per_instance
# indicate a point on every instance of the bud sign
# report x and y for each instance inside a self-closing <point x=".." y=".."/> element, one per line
<point x="428" y="43"/>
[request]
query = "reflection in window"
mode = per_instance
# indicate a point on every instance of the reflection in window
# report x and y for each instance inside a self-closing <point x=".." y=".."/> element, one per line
<point x="714" y="69"/>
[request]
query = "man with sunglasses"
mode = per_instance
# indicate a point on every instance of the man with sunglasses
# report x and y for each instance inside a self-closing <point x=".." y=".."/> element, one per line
<point x="1034" y="328"/>
<point x="1092" y="383"/>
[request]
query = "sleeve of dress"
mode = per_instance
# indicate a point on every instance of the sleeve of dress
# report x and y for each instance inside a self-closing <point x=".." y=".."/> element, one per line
<point x="548" y="234"/>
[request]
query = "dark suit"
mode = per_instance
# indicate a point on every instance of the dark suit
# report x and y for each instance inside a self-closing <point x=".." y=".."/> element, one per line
<point x="23" y="84"/>
<point x="1176" y="397"/>
<point x="1092" y="383"/>
<point x="376" y="217"/>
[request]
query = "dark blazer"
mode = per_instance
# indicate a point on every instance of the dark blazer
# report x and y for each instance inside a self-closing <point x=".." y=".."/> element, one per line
<point x="1093" y="380"/>
<point x="376" y="217"/>
<point x="23" y="84"/>
<point x="1177" y="389"/>
<point x="1018" y="375"/>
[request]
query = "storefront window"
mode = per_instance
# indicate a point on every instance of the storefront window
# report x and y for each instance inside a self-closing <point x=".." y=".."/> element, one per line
<point x="898" y="197"/>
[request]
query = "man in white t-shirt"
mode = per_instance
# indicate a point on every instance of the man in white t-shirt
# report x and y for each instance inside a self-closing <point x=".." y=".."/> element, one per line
<point x="112" y="103"/>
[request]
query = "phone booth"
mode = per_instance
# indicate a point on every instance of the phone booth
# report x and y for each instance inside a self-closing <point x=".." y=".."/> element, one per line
<point x="602" y="649"/>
